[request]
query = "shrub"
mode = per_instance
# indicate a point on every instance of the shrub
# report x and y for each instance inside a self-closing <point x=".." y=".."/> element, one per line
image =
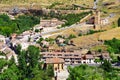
<point x="71" y="36"/>
<point x="36" y="30"/>
<point x="93" y="31"/>
<point x="114" y="45"/>
<point x="79" y="34"/>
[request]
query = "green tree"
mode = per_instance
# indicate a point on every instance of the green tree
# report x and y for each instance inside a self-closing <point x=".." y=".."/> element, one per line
<point x="28" y="68"/>
<point x="20" y="24"/>
<point x="71" y="36"/>
<point x="2" y="63"/>
<point x="18" y="49"/>
<point x="7" y="31"/>
<point x="84" y="72"/>
<point x="50" y="71"/>
<point x="114" y="45"/>
<point x="33" y="55"/>
<point x="12" y="71"/>
<point x="39" y="41"/>
<point x="41" y="75"/>
<point x="106" y="65"/>
<point x="37" y="30"/>
<point x="22" y="61"/>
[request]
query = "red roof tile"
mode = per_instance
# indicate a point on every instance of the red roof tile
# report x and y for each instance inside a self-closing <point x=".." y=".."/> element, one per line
<point x="54" y="60"/>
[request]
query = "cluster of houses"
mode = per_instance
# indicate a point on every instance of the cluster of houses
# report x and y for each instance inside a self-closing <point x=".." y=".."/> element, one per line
<point x="59" y="59"/>
<point x="6" y="52"/>
<point x="47" y="25"/>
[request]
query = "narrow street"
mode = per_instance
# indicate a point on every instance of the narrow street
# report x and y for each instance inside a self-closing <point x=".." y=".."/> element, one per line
<point x="63" y="75"/>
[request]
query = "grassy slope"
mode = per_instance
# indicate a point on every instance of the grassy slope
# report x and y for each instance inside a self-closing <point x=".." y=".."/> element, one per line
<point x="46" y="1"/>
<point x="90" y="39"/>
<point x="113" y="33"/>
<point x="42" y="3"/>
<point x="84" y="41"/>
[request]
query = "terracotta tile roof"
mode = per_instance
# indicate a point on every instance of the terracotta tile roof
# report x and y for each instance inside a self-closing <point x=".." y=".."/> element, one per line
<point x="54" y="60"/>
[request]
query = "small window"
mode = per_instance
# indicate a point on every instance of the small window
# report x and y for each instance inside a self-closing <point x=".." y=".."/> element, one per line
<point x="59" y="54"/>
<point x="66" y="55"/>
<point x="76" y="55"/>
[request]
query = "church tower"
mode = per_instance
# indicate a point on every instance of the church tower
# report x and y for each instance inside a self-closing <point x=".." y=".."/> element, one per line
<point x="97" y="21"/>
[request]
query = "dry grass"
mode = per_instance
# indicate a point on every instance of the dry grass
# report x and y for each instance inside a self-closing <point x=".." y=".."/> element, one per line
<point x="86" y="40"/>
<point x="42" y="3"/>
<point x="110" y="34"/>
<point x="88" y="2"/>
<point x="68" y="32"/>
<point x="91" y="39"/>
<point x="96" y="48"/>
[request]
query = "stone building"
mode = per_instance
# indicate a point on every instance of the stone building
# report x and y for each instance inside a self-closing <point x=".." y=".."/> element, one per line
<point x="50" y="23"/>
<point x="57" y="63"/>
<point x="75" y="57"/>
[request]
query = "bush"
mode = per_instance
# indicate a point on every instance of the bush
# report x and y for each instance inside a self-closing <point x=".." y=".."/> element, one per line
<point x="114" y="45"/>
<point x="85" y="72"/>
<point x="79" y="34"/>
<point x="93" y="31"/>
<point x="106" y="66"/>
<point x="39" y="41"/>
<point x="36" y="30"/>
<point x="71" y="36"/>
<point x="70" y="18"/>
<point x="73" y="18"/>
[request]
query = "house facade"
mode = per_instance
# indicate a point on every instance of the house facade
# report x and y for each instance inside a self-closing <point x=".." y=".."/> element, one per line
<point x="50" y="23"/>
<point x="57" y="63"/>
<point x="69" y="57"/>
<point x="88" y="59"/>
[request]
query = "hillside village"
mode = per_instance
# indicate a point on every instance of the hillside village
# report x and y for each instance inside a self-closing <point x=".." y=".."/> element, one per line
<point x="63" y="35"/>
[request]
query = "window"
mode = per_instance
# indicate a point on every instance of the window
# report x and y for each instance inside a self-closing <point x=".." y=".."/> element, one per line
<point x="59" y="54"/>
<point x="66" y="55"/>
<point x="76" y="55"/>
<point x="70" y="55"/>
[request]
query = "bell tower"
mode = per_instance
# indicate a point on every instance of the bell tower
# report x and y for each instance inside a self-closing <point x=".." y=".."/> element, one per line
<point x="97" y="21"/>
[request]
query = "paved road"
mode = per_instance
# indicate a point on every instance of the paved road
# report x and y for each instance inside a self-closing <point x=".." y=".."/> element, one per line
<point x="52" y="30"/>
<point x="49" y="31"/>
<point x="56" y="30"/>
<point x="63" y="75"/>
